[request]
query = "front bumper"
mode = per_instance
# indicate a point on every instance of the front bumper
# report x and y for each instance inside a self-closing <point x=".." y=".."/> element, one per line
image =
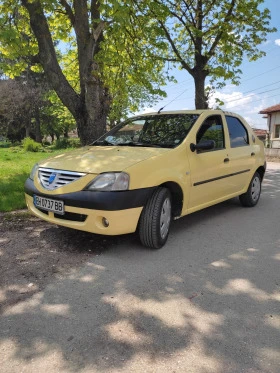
<point x="84" y="210"/>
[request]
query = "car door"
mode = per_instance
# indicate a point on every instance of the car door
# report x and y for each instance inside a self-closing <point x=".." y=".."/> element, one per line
<point x="208" y="169"/>
<point x="241" y="153"/>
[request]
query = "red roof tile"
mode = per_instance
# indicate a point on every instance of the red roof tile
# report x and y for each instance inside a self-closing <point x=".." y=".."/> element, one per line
<point x="270" y="109"/>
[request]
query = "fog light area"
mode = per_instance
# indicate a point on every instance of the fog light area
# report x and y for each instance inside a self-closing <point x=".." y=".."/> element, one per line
<point x="105" y="222"/>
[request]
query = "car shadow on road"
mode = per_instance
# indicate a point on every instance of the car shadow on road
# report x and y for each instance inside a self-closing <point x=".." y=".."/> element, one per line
<point x="207" y="302"/>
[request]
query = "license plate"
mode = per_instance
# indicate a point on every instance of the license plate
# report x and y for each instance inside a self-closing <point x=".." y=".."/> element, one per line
<point x="49" y="204"/>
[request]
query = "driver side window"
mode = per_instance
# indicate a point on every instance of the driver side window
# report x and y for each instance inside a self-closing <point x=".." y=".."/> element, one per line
<point x="212" y="129"/>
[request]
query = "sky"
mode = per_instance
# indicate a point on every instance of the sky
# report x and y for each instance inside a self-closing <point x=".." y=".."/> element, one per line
<point x="259" y="84"/>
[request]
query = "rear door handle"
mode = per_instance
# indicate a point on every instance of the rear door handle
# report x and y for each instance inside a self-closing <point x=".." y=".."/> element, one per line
<point x="226" y="160"/>
<point x="252" y="154"/>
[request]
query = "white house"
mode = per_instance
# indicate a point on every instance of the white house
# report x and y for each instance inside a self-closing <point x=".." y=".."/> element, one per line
<point x="272" y="114"/>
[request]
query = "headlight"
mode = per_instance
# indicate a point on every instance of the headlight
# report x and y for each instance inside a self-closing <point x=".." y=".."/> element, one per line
<point x="110" y="181"/>
<point x="33" y="171"/>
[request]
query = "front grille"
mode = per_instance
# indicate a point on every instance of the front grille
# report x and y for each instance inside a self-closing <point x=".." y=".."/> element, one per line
<point x="71" y="216"/>
<point x="52" y="179"/>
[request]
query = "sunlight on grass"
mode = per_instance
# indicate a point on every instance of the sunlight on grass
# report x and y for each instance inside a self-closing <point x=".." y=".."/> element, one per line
<point x="15" y="167"/>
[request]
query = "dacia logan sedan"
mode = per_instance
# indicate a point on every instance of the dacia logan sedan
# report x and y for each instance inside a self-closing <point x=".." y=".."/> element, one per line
<point x="149" y="170"/>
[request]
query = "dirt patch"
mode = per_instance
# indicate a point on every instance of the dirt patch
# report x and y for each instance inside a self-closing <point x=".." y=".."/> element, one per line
<point x="34" y="252"/>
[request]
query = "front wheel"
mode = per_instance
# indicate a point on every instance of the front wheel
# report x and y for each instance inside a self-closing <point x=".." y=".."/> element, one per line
<point x="252" y="196"/>
<point x="155" y="219"/>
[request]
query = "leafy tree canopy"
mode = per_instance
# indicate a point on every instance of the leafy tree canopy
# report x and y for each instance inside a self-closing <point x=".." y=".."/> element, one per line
<point x="209" y="38"/>
<point x="117" y="57"/>
<point x="108" y="58"/>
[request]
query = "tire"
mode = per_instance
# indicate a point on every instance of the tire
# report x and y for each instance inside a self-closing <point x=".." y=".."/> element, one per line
<point x="252" y="196"/>
<point x="155" y="219"/>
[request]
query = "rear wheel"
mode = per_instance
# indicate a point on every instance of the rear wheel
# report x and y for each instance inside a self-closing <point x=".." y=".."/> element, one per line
<point x="252" y="196"/>
<point x="155" y="219"/>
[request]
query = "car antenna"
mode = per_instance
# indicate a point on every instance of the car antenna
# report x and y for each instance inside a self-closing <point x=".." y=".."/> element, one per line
<point x="161" y="109"/>
<point x="172" y="100"/>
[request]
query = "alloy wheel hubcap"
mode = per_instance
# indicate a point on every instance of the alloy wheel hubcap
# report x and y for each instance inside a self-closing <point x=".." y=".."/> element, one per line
<point x="165" y="218"/>
<point x="256" y="189"/>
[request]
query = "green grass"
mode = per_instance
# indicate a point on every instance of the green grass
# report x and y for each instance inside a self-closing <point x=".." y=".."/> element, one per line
<point x="15" y="167"/>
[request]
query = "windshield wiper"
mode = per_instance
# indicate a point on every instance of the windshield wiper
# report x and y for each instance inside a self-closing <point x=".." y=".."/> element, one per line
<point x="157" y="145"/>
<point x="131" y="143"/>
<point x="103" y="142"/>
<point x="163" y="145"/>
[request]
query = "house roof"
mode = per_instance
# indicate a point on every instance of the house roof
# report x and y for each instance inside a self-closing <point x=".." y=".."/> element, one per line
<point x="270" y="109"/>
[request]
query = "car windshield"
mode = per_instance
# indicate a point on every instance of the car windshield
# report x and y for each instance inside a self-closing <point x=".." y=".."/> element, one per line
<point x="167" y="130"/>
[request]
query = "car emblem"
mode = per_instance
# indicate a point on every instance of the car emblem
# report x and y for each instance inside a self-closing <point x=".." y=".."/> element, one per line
<point x="52" y="178"/>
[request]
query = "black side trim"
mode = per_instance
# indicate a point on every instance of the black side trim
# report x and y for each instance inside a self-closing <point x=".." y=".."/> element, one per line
<point x="220" y="177"/>
<point x="110" y="201"/>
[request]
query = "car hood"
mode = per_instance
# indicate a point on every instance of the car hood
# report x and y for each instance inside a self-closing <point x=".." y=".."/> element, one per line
<point x="97" y="159"/>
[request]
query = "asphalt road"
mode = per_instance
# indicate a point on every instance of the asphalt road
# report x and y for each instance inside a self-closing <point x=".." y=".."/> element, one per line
<point x="209" y="301"/>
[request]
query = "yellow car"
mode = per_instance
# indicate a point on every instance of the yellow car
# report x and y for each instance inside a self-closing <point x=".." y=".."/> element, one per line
<point x="147" y="171"/>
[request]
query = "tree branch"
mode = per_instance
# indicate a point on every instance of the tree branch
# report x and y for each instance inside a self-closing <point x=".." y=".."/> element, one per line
<point x="175" y="49"/>
<point x="99" y="30"/>
<point x="220" y="34"/>
<point x="68" y="11"/>
<point x="48" y="58"/>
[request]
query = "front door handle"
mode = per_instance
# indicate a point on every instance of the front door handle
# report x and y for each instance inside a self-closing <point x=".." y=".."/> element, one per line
<point x="226" y="160"/>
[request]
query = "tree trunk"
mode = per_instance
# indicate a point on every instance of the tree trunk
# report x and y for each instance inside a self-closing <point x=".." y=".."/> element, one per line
<point x="57" y="135"/>
<point x="38" y="135"/>
<point x="92" y="122"/>
<point x="27" y="127"/>
<point x="94" y="96"/>
<point x="91" y="106"/>
<point x="201" y="101"/>
<point x="93" y="114"/>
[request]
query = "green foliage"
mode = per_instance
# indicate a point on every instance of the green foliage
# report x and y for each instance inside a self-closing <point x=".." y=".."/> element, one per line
<point x="5" y="143"/>
<point x="17" y="40"/>
<point x="118" y="51"/>
<point x="209" y="38"/>
<point x="22" y="104"/>
<point x="30" y="145"/>
<point x="74" y="143"/>
<point x="65" y="143"/>
<point x="123" y="61"/>
<point x="57" y="118"/>
<point x="61" y="143"/>
<point x="130" y="68"/>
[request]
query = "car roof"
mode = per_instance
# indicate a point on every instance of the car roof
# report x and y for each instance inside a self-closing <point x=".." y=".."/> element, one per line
<point x="210" y="111"/>
<point x="198" y="112"/>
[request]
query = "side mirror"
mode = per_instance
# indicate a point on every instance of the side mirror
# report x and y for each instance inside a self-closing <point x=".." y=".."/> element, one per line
<point x="204" y="145"/>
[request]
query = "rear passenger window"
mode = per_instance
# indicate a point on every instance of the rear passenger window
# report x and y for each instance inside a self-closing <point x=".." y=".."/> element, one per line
<point x="212" y="129"/>
<point x="237" y="132"/>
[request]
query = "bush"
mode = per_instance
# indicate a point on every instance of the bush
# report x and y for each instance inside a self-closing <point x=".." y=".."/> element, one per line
<point x="61" y="143"/>
<point x="30" y="145"/>
<point x="74" y="142"/>
<point x="67" y="143"/>
<point x="5" y="143"/>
